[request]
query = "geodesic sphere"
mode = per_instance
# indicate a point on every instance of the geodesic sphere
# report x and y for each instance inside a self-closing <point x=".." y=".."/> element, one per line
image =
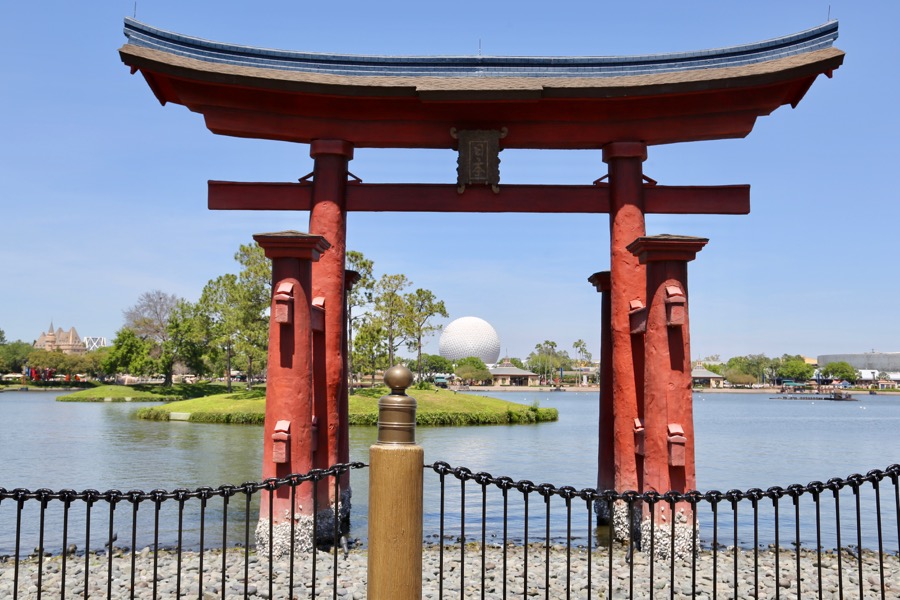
<point x="470" y="336"/>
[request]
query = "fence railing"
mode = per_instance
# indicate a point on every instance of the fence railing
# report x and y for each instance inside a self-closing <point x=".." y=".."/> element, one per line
<point x="485" y="537"/>
<point x="821" y="540"/>
<point x="199" y="543"/>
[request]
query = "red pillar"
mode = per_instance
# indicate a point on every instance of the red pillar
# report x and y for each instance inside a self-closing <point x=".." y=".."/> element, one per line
<point x="668" y="401"/>
<point x="350" y="279"/>
<point x="606" y="450"/>
<point x="288" y="437"/>
<point x="627" y="283"/>
<point x="328" y="218"/>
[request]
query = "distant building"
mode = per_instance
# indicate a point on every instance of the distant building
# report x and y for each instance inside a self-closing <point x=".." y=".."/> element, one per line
<point x="67" y="342"/>
<point x="704" y="378"/>
<point x="508" y="374"/>
<point x="876" y="361"/>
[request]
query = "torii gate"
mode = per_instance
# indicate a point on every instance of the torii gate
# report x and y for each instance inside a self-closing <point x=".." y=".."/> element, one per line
<point x="479" y="105"/>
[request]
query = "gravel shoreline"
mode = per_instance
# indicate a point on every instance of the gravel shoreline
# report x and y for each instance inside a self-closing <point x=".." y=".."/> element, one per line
<point x="351" y="579"/>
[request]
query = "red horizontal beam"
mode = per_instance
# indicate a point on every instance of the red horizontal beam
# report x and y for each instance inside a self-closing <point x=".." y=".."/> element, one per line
<point x="419" y="197"/>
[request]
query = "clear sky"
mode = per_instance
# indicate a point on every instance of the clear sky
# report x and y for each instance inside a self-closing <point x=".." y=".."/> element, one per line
<point x="103" y="191"/>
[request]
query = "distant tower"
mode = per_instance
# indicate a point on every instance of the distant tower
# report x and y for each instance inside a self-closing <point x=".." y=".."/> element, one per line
<point x="50" y="339"/>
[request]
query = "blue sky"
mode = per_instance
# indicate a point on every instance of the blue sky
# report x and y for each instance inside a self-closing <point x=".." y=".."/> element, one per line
<point x="103" y="191"/>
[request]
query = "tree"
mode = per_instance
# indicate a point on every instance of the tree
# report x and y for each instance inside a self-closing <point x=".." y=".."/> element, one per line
<point x="430" y="364"/>
<point x="220" y="321"/>
<point x="45" y="360"/>
<point x="759" y="366"/>
<point x="472" y="369"/>
<point x="233" y="313"/>
<point x="419" y="308"/>
<point x="93" y="363"/>
<point x="2" y="337"/>
<point x="254" y="297"/>
<point x="516" y="362"/>
<point x="738" y="377"/>
<point x="187" y="337"/>
<point x="546" y="360"/>
<point x="840" y="370"/>
<point x="584" y="356"/>
<point x="390" y="309"/>
<point x="14" y="356"/>
<point x="359" y="297"/>
<point x="370" y="351"/>
<point x="717" y="368"/>
<point x="149" y="320"/>
<point x="129" y="354"/>
<point x="435" y="363"/>
<point x="149" y="317"/>
<point x="794" y="368"/>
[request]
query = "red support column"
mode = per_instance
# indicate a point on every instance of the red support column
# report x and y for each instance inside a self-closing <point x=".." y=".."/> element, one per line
<point x="606" y="450"/>
<point x="627" y="283"/>
<point x="668" y="401"/>
<point x="288" y="432"/>
<point x="328" y="218"/>
<point x="350" y="279"/>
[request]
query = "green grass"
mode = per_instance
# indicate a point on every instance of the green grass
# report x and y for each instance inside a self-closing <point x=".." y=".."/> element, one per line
<point x="434" y="408"/>
<point x="144" y="393"/>
<point x="243" y="407"/>
<point x="443" y="407"/>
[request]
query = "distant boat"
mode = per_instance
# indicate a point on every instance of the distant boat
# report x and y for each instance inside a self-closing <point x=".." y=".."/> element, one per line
<point x="835" y="396"/>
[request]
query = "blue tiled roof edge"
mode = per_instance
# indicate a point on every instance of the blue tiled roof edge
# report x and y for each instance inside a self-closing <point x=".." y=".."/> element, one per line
<point x="143" y="35"/>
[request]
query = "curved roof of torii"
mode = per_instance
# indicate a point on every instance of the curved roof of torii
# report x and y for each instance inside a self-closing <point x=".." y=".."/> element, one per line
<point x="543" y="102"/>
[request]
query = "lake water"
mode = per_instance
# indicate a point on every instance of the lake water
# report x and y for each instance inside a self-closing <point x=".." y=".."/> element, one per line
<point x="743" y="441"/>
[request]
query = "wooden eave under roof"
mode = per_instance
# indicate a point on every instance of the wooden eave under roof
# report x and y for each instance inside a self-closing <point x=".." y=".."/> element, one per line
<point x="538" y="112"/>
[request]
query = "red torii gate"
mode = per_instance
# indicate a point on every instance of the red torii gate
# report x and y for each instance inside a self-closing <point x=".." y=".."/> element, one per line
<point x="478" y="105"/>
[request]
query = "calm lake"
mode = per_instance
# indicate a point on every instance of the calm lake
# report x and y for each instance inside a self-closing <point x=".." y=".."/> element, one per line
<point x="743" y="441"/>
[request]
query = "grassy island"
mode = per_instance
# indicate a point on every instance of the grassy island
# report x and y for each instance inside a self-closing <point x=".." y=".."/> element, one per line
<point x="435" y="407"/>
<point x="143" y="393"/>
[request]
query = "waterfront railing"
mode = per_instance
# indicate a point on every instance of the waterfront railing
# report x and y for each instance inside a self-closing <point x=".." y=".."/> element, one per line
<point x="484" y="537"/>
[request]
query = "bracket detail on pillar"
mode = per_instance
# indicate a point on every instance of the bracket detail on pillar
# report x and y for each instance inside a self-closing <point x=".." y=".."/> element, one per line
<point x="675" y="303"/>
<point x="284" y="303"/>
<point x="637" y="317"/>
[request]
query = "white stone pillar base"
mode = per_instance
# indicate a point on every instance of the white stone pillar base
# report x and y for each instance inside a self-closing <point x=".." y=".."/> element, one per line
<point x="303" y="529"/>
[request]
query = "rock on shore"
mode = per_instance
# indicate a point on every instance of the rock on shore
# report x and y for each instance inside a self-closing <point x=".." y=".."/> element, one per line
<point x="563" y="570"/>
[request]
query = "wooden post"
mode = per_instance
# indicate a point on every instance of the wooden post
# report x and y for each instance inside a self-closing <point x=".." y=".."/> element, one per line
<point x="396" y="466"/>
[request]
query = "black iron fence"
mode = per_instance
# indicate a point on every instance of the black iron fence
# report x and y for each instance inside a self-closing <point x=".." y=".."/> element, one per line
<point x="159" y="544"/>
<point x="837" y="539"/>
<point x="485" y="537"/>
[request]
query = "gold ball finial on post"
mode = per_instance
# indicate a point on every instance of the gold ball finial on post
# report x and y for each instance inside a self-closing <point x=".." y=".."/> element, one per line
<point x="396" y="467"/>
<point x="397" y="411"/>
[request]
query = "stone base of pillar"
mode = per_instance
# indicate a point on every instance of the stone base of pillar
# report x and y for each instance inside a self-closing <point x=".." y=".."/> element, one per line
<point x="604" y="515"/>
<point x="622" y="515"/>
<point x="325" y="524"/>
<point x="661" y="544"/>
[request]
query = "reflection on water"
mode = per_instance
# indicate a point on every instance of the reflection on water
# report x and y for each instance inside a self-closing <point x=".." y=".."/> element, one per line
<point x="743" y="441"/>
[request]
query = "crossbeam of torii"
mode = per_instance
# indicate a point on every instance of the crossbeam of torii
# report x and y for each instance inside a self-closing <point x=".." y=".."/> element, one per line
<point x="621" y="106"/>
<point x="420" y="197"/>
